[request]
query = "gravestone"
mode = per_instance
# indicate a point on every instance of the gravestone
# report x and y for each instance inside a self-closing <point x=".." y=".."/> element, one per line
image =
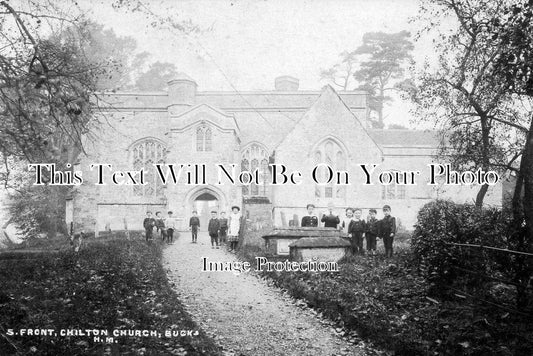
<point x="322" y="248"/>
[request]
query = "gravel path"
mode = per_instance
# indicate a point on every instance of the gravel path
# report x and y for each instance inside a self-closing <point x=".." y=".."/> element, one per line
<point x="244" y="314"/>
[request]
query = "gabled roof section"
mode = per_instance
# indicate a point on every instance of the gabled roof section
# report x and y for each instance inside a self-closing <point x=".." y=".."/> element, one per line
<point x="329" y="94"/>
<point x="203" y="113"/>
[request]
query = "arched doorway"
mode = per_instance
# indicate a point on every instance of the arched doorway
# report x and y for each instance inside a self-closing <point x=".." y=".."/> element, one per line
<point x="204" y="204"/>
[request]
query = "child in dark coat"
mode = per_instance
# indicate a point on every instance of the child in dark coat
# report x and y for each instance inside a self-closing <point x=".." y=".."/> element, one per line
<point x="223" y="221"/>
<point x="160" y="226"/>
<point x="387" y="230"/>
<point x="148" y="224"/>
<point x="194" y="226"/>
<point x="310" y="220"/>
<point x="214" y="228"/>
<point x="371" y="233"/>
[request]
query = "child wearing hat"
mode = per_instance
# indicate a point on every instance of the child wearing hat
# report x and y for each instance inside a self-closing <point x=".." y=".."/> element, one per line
<point x="234" y="227"/>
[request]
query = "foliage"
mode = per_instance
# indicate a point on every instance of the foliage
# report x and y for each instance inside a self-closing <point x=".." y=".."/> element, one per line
<point x="377" y="65"/>
<point x="480" y="271"/>
<point x="482" y="125"/>
<point x="341" y="74"/>
<point x="513" y="33"/>
<point x="384" y="68"/>
<point x="156" y="76"/>
<point x="52" y="66"/>
<point x="110" y="285"/>
<point x="442" y="222"/>
<point x="386" y="301"/>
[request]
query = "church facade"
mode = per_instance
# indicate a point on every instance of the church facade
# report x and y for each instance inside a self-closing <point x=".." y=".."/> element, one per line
<point x="286" y="126"/>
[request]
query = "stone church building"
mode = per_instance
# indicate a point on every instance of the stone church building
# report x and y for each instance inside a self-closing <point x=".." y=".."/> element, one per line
<point x="296" y="128"/>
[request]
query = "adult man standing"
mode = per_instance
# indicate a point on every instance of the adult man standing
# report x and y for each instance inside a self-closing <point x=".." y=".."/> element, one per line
<point x="330" y="219"/>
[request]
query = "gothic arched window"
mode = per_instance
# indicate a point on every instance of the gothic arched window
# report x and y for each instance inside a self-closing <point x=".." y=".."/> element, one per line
<point x="256" y="157"/>
<point x="204" y="138"/>
<point x="329" y="153"/>
<point x="145" y="154"/>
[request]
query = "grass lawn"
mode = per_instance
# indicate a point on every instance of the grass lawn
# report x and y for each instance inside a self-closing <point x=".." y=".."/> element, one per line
<point x="109" y="285"/>
<point x="387" y="302"/>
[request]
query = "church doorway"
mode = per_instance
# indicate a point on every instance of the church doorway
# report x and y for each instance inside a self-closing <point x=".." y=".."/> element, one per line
<point x="204" y="204"/>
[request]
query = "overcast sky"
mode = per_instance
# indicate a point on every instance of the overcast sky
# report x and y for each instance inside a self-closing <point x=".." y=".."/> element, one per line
<point x="252" y="42"/>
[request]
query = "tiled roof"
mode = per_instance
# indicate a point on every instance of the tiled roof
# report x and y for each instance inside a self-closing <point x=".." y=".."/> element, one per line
<point x="297" y="100"/>
<point x="405" y="138"/>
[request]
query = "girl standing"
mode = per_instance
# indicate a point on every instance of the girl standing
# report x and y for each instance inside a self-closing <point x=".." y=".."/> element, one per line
<point x="234" y="227"/>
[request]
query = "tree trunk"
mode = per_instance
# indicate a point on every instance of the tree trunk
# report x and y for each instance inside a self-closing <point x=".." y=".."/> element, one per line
<point x="523" y="212"/>
<point x="481" y="195"/>
<point x="485" y="157"/>
<point x="527" y="159"/>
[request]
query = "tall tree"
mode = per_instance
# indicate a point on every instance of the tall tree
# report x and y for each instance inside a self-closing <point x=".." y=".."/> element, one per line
<point x="47" y="88"/>
<point x="513" y="33"/>
<point x="461" y="96"/>
<point x="382" y="71"/>
<point x="481" y="93"/>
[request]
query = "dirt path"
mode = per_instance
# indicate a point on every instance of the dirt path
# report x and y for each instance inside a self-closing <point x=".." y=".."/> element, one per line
<point x="243" y="313"/>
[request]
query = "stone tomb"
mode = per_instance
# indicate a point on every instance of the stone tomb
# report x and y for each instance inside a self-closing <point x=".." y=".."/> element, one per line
<point x="316" y="241"/>
<point x="322" y="248"/>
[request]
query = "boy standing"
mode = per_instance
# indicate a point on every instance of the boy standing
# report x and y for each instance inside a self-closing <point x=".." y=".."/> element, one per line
<point x="213" y="228"/>
<point x="310" y="220"/>
<point x="148" y="224"/>
<point x="170" y="223"/>
<point x="160" y="225"/>
<point x="223" y="227"/>
<point x="357" y="230"/>
<point x="194" y="226"/>
<point x="387" y="230"/>
<point x="371" y="231"/>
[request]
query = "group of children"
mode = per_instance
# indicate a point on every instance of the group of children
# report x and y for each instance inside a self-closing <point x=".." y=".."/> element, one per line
<point x="357" y="228"/>
<point x="224" y="230"/>
<point x="165" y="227"/>
<point x="221" y="230"/>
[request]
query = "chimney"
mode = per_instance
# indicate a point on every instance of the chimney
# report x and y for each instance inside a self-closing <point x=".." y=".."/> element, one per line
<point x="286" y="83"/>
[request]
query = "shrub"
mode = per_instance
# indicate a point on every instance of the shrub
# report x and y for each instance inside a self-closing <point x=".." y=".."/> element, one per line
<point x="442" y="222"/>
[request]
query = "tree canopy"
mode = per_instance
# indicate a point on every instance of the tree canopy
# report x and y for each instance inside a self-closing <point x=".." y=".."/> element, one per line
<point x="377" y="66"/>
